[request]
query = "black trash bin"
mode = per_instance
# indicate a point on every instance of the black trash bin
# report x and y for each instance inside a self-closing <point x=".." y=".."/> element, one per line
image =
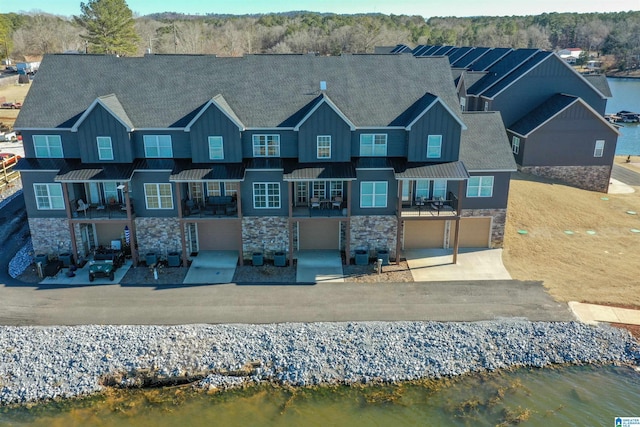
<point x="280" y="259"/>
<point x="383" y="254"/>
<point x="258" y="259"/>
<point x="361" y="257"/>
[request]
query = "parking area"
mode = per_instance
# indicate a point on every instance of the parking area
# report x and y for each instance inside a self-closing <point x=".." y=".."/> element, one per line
<point x="436" y="265"/>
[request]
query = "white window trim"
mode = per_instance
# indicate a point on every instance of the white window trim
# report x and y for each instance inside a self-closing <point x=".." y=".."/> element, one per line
<point x="158" y="196"/>
<point x="439" y="145"/>
<point x="153" y="141"/>
<point x="49" y="139"/>
<point x="373" y="144"/>
<point x="216" y="139"/>
<point x="104" y="149"/>
<point x="318" y="142"/>
<point x="49" y="197"/>
<point x="257" y="144"/>
<point x="266" y="195"/>
<point x="598" y="151"/>
<point x="515" y="145"/>
<point x="478" y="192"/>
<point x="374" y="194"/>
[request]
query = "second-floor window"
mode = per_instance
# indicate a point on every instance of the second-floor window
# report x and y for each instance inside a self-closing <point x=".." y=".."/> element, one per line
<point x="515" y="145"/>
<point x="216" y="148"/>
<point x="266" y="195"/>
<point x="373" y="144"/>
<point x="434" y="146"/>
<point x="105" y="149"/>
<point x="373" y="194"/>
<point x="48" y="196"/>
<point x="324" y="146"/>
<point x="480" y="186"/>
<point x="48" y="146"/>
<point x="158" y="146"/>
<point x="599" y="150"/>
<point x="266" y="145"/>
<point x="158" y="196"/>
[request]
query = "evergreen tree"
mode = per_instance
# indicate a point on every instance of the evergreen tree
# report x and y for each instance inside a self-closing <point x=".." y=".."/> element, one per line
<point x="110" y="27"/>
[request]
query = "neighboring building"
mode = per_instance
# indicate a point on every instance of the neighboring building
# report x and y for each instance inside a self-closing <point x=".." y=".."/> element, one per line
<point x="520" y="82"/>
<point x="275" y="152"/>
<point x="570" y="55"/>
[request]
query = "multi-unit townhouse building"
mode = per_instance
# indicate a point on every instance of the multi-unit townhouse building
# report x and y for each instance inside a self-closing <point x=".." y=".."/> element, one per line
<point x="553" y="115"/>
<point x="264" y="152"/>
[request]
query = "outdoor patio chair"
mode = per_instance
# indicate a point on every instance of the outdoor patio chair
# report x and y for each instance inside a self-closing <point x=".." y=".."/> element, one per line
<point x="315" y="203"/>
<point x="337" y="202"/>
<point x="192" y="207"/>
<point x="82" y="206"/>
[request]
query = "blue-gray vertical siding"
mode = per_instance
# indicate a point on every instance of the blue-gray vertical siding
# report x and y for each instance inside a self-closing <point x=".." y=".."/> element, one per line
<point x="288" y="142"/>
<point x="396" y="141"/>
<point x="180" y="142"/>
<point x="38" y="177"/>
<point x="324" y="121"/>
<point x="386" y="175"/>
<point x="100" y="122"/>
<point x="252" y="176"/>
<point x="214" y="122"/>
<point x="69" y="139"/>
<point x="436" y="121"/>
<point x="500" y="192"/>
<point x="138" y="195"/>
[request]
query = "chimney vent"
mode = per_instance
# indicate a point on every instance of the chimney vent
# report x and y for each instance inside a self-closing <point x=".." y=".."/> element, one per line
<point x="323" y="85"/>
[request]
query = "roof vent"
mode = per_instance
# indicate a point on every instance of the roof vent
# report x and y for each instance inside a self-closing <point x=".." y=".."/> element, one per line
<point x="323" y="85"/>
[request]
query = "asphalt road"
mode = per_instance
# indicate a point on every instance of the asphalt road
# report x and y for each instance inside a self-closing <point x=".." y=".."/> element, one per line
<point x="625" y="175"/>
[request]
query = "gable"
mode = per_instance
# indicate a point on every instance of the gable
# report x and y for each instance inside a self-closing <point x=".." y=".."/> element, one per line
<point x="324" y="103"/>
<point x="112" y="106"/>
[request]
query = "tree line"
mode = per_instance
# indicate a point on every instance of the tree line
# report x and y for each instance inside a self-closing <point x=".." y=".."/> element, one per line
<point x="615" y="34"/>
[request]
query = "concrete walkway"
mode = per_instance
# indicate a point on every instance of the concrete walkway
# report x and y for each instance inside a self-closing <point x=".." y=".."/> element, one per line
<point x="592" y="314"/>
<point x="212" y="267"/>
<point x="82" y="276"/>
<point x="435" y="265"/>
<point x="319" y="267"/>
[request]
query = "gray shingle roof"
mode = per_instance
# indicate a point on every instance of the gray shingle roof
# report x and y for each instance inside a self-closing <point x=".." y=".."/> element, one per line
<point x="542" y="113"/>
<point x="484" y="144"/>
<point x="600" y="82"/>
<point x="160" y="91"/>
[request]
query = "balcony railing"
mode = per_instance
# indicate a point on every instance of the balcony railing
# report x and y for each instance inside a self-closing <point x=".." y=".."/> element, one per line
<point x="432" y="207"/>
<point x="100" y="211"/>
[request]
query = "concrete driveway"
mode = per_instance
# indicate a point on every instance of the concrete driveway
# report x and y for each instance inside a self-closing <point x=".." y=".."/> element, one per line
<point x="212" y="267"/>
<point x="318" y="266"/>
<point x="436" y="265"/>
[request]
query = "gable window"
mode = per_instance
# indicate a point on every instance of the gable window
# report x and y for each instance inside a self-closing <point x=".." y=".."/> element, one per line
<point x="48" y="196"/>
<point x="480" y="186"/>
<point x="266" y="195"/>
<point x="105" y="149"/>
<point x="48" y="146"/>
<point x="373" y="194"/>
<point x="434" y="146"/>
<point x="158" y="147"/>
<point x="324" y="146"/>
<point x="266" y="145"/>
<point x="216" y="148"/>
<point x="515" y="145"/>
<point x="158" y="196"/>
<point x="373" y="144"/>
<point x="599" y="150"/>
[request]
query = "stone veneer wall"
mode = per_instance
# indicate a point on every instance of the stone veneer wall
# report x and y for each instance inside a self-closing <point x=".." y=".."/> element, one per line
<point x="159" y="235"/>
<point x="272" y="230"/>
<point x="50" y="235"/>
<point x="497" y="225"/>
<point x="593" y="178"/>
<point x="374" y="231"/>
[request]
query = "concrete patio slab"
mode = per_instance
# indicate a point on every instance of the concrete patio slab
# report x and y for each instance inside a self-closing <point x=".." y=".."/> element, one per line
<point x="212" y="267"/>
<point x="593" y="313"/>
<point x="436" y="265"/>
<point x="319" y="266"/>
<point x="82" y="276"/>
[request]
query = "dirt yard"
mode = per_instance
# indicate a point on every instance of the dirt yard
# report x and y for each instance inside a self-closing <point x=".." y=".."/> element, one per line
<point x="15" y="93"/>
<point x="578" y="242"/>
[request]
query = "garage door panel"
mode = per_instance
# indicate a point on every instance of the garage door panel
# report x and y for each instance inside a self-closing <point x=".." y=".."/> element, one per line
<point x="423" y="234"/>
<point x="474" y="232"/>
<point x="319" y="235"/>
<point x="219" y="235"/>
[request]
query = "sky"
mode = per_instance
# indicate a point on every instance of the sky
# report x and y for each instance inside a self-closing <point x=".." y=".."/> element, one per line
<point x="425" y="8"/>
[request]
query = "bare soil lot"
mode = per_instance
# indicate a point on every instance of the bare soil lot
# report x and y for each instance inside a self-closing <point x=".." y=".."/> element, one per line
<point x="15" y="93"/>
<point x="598" y="263"/>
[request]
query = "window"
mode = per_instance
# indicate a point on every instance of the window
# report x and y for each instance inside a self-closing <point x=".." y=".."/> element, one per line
<point x="422" y="188"/>
<point x="214" y="188"/>
<point x="324" y="146"/>
<point x="266" y="195"/>
<point x="439" y="189"/>
<point x="515" y="145"/>
<point x="216" y="148"/>
<point x="434" y="146"/>
<point x="49" y="196"/>
<point x="480" y="186"/>
<point x="110" y="192"/>
<point x="336" y="189"/>
<point x="195" y="191"/>
<point x="373" y="194"/>
<point x="158" y="196"/>
<point x="231" y="189"/>
<point x="158" y="146"/>
<point x="266" y="145"/>
<point x="105" y="149"/>
<point x="48" y="146"/>
<point x="373" y="144"/>
<point x="599" y="150"/>
<point x="318" y="189"/>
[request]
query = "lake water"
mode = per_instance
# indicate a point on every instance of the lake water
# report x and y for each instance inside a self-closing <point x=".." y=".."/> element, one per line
<point x="626" y="96"/>
<point x="568" y="396"/>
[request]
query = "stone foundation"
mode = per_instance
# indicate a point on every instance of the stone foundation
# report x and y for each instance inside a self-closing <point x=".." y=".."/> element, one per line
<point x="50" y="235"/>
<point x="159" y="235"/>
<point x="592" y="178"/>
<point x="272" y="230"/>
<point x="374" y="232"/>
<point x="497" y="225"/>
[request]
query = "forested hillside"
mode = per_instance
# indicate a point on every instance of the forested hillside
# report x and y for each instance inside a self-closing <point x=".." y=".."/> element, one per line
<point x="615" y="34"/>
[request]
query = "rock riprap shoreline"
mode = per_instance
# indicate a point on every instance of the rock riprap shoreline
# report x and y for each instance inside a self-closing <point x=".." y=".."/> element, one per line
<point x="39" y="363"/>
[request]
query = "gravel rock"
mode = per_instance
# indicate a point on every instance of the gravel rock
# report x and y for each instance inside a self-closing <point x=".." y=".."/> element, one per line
<point x="39" y="363"/>
<point x="22" y="260"/>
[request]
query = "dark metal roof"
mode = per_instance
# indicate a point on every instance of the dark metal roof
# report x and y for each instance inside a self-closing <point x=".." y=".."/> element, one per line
<point x="83" y="172"/>
<point x="484" y="145"/>
<point x="263" y="163"/>
<point x="374" y="163"/>
<point x="516" y="73"/>
<point x="294" y="171"/>
<point x="443" y="50"/>
<point x="458" y="53"/>
<point x="505" y="66"/>
<point x="450" y="171"/>
<point x="542" y="113"/>
<point x="33" y="164"/>
<point x="153" y="164"/>
<point x="186" y="171"/>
